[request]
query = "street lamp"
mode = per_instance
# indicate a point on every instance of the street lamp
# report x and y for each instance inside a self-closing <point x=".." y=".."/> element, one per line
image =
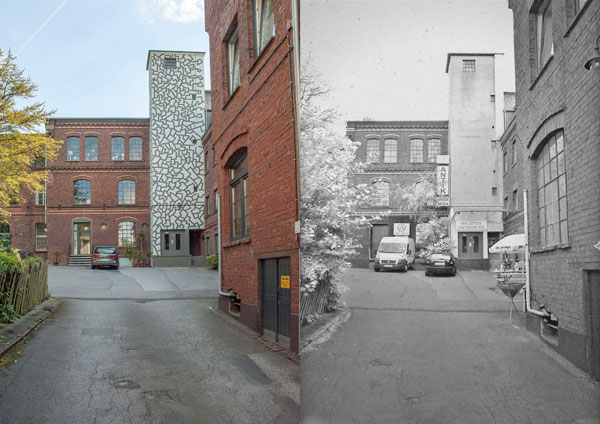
<point x="594" y="63"/>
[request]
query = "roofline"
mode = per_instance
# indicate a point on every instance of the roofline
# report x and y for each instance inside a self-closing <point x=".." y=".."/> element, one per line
<point x="469" y="54"/>
<point x="97" y="119"/>
<point x="170" y="51"/>
<point x="407" y="123"/>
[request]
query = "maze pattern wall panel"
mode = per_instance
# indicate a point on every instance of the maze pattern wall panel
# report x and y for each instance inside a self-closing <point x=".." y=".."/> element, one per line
<point x="177" y="123"/>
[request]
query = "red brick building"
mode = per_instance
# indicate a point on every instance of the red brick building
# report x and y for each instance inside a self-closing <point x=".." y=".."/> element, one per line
<point x="97" y="191"/>
<point x="254" y="133"/>
<point x="558" y="123"/>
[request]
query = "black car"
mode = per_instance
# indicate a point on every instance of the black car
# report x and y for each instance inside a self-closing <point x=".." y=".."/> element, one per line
<point x="105" y="256"/>
<point x="440" y="263"/>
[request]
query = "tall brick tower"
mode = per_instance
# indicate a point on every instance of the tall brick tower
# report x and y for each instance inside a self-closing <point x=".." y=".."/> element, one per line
<point x="177" y="123"/>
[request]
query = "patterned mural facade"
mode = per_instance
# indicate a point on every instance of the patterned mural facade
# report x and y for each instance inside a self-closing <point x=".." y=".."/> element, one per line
<point x="177" y="123"/>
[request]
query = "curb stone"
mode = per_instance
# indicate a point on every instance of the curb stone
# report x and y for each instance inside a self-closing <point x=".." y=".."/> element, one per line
<point x="14" y="333"/>
<point x="324" y="331"/>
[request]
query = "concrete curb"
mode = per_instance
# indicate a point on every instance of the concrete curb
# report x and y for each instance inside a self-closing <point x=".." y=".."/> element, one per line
<point x="14" y="333"/>
<point x="324" y="331"/>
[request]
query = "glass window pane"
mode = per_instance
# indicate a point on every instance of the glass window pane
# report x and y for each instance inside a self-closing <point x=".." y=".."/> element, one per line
<point x="542" y="217"/>
<point x="543" y="237"/>
<point x="464" y="244"/>
<point x="541" y="201"/>
<point x="433" y="150"/>
<point x="540" y="177"/>
<point x="416" y="150"/>
<point x="126" y="193"/>
<point x="135" y="148"/>
<point x="82" y="192"/>
<point x="91" y="148"/>
<point x="564" y="232"/>
<point x="561" y="163"/>
<point x="177" y="241"/>
<point x="118" y="148"/>
<point x="167" y="240"/>
<point x="553" y="168"/>
<point x="563" y="208"/>
<point x="475" y="244"/>
<point x="559" y="142"/>
<point x="547" y="173"/>
<point x="562" y="186"/>
<point x="552" y="144"/>
<point x="390" y="151"/>
<point x="126" y="233"/>
<point x="373" y="151"/>
<point x="266" y="23"/>
<point x="72" y="148"/>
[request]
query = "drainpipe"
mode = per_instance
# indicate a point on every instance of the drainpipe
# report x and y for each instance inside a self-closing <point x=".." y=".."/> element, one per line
<point x="527" y="278"/>
<point x="222" y="293"/>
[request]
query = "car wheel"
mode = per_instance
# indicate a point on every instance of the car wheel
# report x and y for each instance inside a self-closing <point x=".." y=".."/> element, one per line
<point x="427" y="273"/>
<point x="376" y="269"/>
<point x="405" y="269"/>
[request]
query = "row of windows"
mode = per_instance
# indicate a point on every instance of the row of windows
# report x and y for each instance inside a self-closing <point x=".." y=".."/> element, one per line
<point x="126" y="235"/>
<point x="82" y="192"/>
<point x="215" y="245"/>
<point x="264" y="30"/>
<point x="513" y="158"/>
<point x="91" y="148"/>
<point x="390" y="150"/>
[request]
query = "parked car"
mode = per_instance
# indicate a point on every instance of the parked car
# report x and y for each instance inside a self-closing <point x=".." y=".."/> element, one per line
<point x="440" y="263"/>
<point x="395" y="253"/>
<point x="105" y="256"/>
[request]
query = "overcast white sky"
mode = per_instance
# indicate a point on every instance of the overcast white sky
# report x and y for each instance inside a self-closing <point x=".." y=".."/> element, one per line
<point x="386" y="59"/>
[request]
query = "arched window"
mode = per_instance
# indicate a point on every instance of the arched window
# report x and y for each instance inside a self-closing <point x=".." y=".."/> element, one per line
<point x="91" y="148"/>
<point x="373" y="151"/>
<point x="126" y="192"/>
<point x="72" y="148"/>
<point x="434" y="148"/>
<point x="82" y="192"/>
<point x="552" y="192"/>
<point x="238" y="191"/>
<point x="135" y="148"/>
<point x="416" y="150"/>
<point x="382" y="193"/>
<point x="117" y="148"/>
<point x="390" y="151"/>
<point x="126" y="233"/>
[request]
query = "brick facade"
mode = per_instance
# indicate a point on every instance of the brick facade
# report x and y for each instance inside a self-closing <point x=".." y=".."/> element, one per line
<point x="562" y="96"/>
<point x="259" y="117"/>
<point x="400" y="173"/>
<point x="103" y="174"/>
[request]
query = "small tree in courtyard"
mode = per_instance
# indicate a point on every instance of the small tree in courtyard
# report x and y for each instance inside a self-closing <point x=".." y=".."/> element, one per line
<point x="329" y="203"/>
<point x="21" y="146"/>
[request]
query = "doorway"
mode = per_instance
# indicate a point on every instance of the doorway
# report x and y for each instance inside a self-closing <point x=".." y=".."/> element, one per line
<point x="378" y="231"/>
<point x="593" y="322"/>
<point x="173" y="243"/>
<point x="275" y="275"/>
<point x="82" y="238"/>
<point x="469" y="245"/>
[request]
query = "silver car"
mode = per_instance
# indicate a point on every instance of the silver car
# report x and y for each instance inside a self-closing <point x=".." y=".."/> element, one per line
<point x="105" y="256"/>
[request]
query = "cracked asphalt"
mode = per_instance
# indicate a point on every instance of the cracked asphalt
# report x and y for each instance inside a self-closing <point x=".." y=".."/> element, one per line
<point x="428" y="350"/>
<point x="145" y="347"/>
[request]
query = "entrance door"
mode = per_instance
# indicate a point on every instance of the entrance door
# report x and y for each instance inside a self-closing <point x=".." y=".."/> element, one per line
<point x="593" y="319"/>
<point x="378" y="232"/>
<point x="173" y="243"/>
<point x="469" y="245"/>
<point x="82" y="238"/>
<point x="276" y="299"/>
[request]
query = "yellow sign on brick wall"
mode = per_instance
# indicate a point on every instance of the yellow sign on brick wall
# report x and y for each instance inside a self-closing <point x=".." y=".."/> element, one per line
<point x="285" y="281"/>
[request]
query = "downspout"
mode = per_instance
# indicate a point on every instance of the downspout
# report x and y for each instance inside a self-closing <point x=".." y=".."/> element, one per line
<point x="527" y="279"/>
<point x="222" y="293"/>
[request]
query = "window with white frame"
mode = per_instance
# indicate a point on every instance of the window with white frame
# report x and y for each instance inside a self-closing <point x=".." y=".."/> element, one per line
<point x="233" y="62"/>
<point x="41" y="236"/>
<point x="126" y="193"/>
<point x="552" y="192"/>
<point x="91" y="148"/>
<point x="170" y="63"/>
<point x="117" y="148"/>
<point x="135" y="148"/>
<point x="40" y="198"/>
<point x="73" y="148"/>
<point x="543" y="30"/>
<point x="468" y="65"/>
<point x="373" y="151"/>
<point x="264" y="24"/>
<point x="390" y="151"/>
<point x="382" y="193"/>
<point x="126" y="233"/>
<point x="434" y="148"/>
<point x="82" y="192"/>
<point x="416" y="150"/>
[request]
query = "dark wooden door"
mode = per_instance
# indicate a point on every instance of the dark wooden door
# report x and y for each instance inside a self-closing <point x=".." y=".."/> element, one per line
<point x="378" y="232"/>
<point x="276" y="299"/>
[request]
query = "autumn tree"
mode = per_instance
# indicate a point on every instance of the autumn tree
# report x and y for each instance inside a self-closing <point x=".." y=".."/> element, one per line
<point x="21" y="143"/>
<point x="329" y="202"/>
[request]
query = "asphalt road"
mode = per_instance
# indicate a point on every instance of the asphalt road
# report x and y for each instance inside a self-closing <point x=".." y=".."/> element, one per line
<point x="154" y="356"/>
<point x="427" y="350"/>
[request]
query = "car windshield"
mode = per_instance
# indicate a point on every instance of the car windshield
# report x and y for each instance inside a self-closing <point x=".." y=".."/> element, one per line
<point x="105" y="250"/>
<point x="392" y="248"/>
<point x="440" y="257"/>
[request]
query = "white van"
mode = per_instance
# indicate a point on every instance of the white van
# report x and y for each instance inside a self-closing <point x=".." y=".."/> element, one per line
<point x="395" y="253"/>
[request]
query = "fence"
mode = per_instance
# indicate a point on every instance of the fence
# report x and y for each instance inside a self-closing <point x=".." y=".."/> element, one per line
<point x="314" y="302"/>
<point x="24" y="288"/>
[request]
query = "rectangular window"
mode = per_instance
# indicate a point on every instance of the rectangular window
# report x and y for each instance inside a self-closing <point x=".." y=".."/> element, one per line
<point x="170" y="63"/>
<point x="233" y="62"/>
<point x="464" y="244"/>
<point x="544" y="40"/>
<point x="505" y="162"/>
<point x="72" y="148"/>
<point x="82" y="192"/>
<point x="135" y="148"/>
<point x="552" y="192"/>
<point x="91" y="148"/>
<point x="206" y="162"/>
<point x="167" y="240"/>
<point x="494" y="191"/>
<point x="373" y="151"/>
<point x="475" y="244"/>
<point x="207" y="245"/>
<point x="416" y="150"/>
<point x="216" y="238"/>
<point x="515" y="200"/>
<point x="126" y="194"/>
<point x="40" y="197"/>
<point x="390" y="151"/>
<point x="215" y="201"/>
<point x="434" y="148"/>
<point x="468" y="65"/>
<point x="264" y="24"/>
<point x="208" y="117"/>
<point x="207" y="206"/>
<point x="41" y="236"/>
<point x="382" y="193"/>
<point x="117" y="148"/>
<point x="177" y="241"/>
<point x="238" y="191"/>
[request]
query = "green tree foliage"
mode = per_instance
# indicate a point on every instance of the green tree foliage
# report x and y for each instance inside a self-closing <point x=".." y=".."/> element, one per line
<point x="329" y="201"/>
<point x="20" y="143"/>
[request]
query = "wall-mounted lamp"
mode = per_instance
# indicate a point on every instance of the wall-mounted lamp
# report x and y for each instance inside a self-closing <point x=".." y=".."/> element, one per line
<point x="594" y="62"/>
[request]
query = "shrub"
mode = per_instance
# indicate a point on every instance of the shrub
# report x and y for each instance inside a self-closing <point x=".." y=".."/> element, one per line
<point x="212" y="261"/>
<point x="9" y="261"/>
